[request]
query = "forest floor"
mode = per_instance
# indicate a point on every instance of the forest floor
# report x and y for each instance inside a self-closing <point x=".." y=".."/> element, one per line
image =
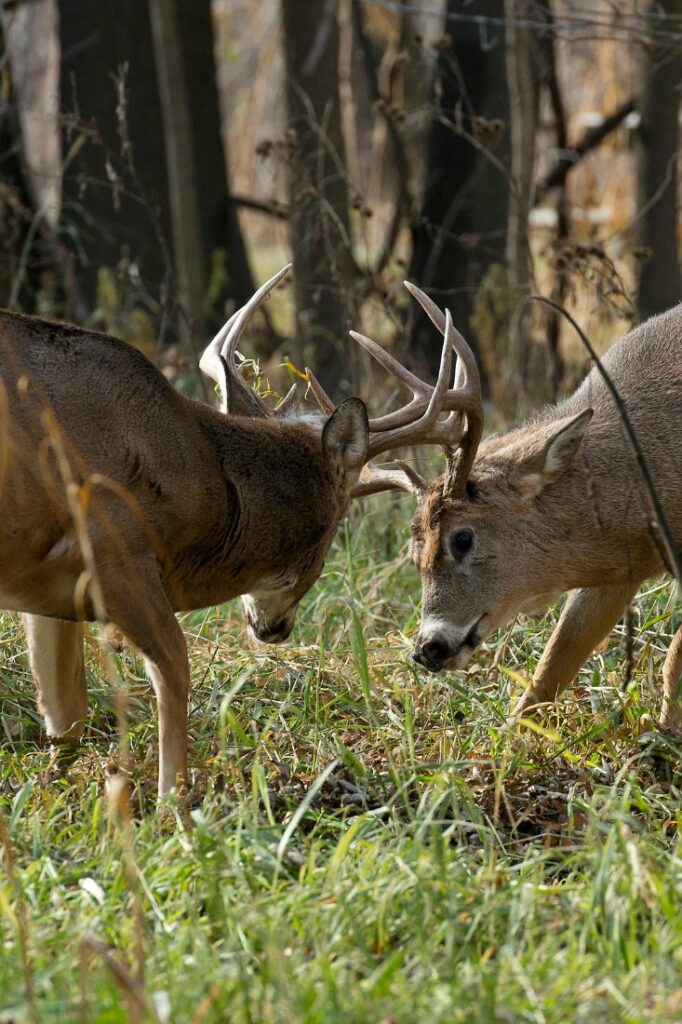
<point x="366" y="842"/>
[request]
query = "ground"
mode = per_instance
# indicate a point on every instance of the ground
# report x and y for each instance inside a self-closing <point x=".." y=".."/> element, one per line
<point x="367" y="843"/>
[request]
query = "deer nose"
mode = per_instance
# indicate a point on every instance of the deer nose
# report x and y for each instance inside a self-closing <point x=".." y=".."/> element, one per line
<point x="431" y="653"/>
<point x="276" y="634"/>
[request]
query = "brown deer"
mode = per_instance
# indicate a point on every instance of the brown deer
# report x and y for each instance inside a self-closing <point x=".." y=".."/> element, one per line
<point x="556" y="504"/>
<point x="124" y="501"/>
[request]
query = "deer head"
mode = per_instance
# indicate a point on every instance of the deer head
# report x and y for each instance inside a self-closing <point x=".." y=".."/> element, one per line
<point x="474" y="526"/>
<point x="270" y="608"/>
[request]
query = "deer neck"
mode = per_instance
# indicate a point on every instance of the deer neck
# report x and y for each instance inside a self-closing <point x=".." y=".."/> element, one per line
<point x="277" y="505"/>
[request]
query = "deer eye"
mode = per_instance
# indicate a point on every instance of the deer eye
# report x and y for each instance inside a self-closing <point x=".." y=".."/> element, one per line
<point x="461" y="542"/>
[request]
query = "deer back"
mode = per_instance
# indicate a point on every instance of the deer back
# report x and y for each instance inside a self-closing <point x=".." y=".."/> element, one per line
<point x="224" y="503"/>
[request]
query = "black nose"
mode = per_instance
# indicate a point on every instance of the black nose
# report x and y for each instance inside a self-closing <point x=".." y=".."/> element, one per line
<point x="276" y="634"/>
<point x="435" y="650"/>
<point x="431" y="654"/>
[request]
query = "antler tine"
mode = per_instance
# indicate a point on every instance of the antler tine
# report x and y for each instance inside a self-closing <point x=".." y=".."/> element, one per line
<point x="287" y="402"/>
<point x="242" y="318"/>
<point x="434" y="312"/>
<point x="421" y="392"/>
<point x="426" y="428"/>
<point x="374" y="480"/>
<point x="389" y="363"/>
<point x="468" y="400"/>
<point x="218" y="363"/>
<point x="210" y="360"/>
<point x="466" y="360"/>
<point x="323" y="400"/>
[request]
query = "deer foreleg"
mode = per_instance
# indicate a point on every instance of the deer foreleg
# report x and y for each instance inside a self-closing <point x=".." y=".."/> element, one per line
<point x="148" y="622"/>
<point x="55" y="654"/>
<point x="671" y="712"/>
<point x="586" y="618"/>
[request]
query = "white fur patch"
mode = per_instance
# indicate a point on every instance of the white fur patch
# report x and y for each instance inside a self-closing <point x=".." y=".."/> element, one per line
<point x="434" y="627"/>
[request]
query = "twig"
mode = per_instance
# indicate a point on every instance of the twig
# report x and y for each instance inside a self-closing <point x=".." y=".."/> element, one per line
<point x="590" y="140"/>
<point x="270" y="207"/>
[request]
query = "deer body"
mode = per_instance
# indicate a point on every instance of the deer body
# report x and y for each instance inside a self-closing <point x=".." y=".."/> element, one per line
<point x="558" y="504"/>
<point x="123" y="500"/>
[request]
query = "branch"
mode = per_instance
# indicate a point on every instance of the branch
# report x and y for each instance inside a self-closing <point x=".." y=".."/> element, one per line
<point x="590" y="140"/>
<point x="271" y="207"/>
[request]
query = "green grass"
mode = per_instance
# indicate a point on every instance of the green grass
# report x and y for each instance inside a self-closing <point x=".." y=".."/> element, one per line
<point x="367" y="843"/>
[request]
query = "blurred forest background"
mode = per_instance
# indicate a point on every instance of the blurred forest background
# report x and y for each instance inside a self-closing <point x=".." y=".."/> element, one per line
<point x="160" y="158"/>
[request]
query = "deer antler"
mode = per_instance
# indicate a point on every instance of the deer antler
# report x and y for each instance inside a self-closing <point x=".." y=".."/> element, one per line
<point x="218" y="360"/>
<point x="421" y="421"/>
<point x="466" y="398"/>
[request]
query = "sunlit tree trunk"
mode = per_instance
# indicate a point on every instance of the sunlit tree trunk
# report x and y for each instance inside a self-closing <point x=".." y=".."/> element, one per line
<point x="521" y="53"/>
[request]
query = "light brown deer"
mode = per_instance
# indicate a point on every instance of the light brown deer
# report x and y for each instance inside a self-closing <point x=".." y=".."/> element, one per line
<point x="556" y="504"/>
<point x="123" y="500"/>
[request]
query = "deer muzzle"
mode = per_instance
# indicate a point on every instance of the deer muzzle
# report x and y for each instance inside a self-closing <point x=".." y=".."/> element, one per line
<point x="442" y="645"/>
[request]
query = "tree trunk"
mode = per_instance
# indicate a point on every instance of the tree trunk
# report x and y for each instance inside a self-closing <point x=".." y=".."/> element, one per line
<point x="317" y="187"/>
<point x="145" y="178"/>
<point x="660" y="285"/>
<point x="115" y="184"/>
<point x="32" y="165"/>
<point x="522" y="82"/>
<point x="205" y="225"/>
<point x="462" y="226"/>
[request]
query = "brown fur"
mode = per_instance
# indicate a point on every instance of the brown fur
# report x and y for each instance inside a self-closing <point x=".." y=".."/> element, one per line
<point x="122" y="499"/>
<point x="575" y="520"/>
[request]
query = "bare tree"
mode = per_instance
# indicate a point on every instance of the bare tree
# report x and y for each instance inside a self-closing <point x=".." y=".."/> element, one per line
<point x="144" y="181"/>
<point x="461" y="228"/>
<point x="203" y="216"/>
<point x="660" y="283"/>
<point x="116" y="210"/>
<point x="319" y="222"/>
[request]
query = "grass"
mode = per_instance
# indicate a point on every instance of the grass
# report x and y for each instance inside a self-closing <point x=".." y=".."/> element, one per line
<point x="367" y="843"/>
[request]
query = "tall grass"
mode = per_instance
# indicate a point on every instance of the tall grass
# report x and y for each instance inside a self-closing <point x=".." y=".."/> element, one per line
<point x="367" y="843"/>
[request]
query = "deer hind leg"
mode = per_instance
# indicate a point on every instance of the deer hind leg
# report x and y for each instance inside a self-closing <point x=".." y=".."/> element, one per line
<point x="671" y="712"/>
<point x="587" y="617"/>
<point x="55" y="654"/>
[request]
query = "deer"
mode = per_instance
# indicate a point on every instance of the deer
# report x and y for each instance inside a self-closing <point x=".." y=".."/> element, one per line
<point x="124" y="501"/>
<point x="554" y="505"/>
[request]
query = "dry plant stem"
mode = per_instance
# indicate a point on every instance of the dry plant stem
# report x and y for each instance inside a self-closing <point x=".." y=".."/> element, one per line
<point x="10" y="865"/>
<point x="140" y="1007"/>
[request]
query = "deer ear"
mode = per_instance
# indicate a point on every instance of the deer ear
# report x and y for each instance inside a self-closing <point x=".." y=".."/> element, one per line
<point x="552" y="453"/>
<point x="345" y="437"/>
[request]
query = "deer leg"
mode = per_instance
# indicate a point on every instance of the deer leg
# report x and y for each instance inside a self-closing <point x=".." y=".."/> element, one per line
<point x="55" y="654"/>
<point x="586" y="618"/>
<point x="671" y="712"/>
<point x="148" y="622"/>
